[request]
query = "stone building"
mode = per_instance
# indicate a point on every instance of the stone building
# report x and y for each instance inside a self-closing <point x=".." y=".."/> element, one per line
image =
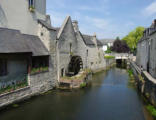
<point x="107" y="43"/>
<point x="143" y="51"/>
<point x="34" y="54"/>
<point x="27" y="49"/>
<point x="77" y="51"/>
<point x="90" y="49"/>
<point x="146" y="50"/>
<point x="152" y="50"/>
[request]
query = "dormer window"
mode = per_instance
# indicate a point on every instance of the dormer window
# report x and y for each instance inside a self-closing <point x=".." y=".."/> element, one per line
<point x="31" y="5"/>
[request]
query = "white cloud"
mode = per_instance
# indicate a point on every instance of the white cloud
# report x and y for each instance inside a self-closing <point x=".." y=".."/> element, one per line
<point x="150" y="10"/>
<point x="105" y="26"/>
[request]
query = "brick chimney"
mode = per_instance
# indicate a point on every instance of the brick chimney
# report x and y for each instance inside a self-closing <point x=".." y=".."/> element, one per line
<point x="75" y="25"/>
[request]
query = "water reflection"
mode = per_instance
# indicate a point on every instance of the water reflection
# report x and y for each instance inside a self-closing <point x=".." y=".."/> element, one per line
<point x="108" y="98"/>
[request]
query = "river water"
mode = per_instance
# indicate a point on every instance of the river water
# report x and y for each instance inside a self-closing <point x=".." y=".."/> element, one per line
<point x="108" y="98"/>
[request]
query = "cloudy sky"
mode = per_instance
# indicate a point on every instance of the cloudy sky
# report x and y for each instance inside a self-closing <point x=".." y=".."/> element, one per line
<point x="106" y="18"/>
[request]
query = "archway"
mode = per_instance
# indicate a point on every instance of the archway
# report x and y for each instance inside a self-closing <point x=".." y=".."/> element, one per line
<point x="75" y="65"/>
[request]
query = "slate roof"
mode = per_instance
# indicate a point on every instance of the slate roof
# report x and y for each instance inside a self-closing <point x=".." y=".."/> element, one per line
<point x="88" y="39"/>
<point x="45" y="24"/>
<point x="12" y="41"/>
<point x="57" y="29"/>
<point x="106" y="41"/>
<point x="36" y="45"/>
<point x="99" y="43"/>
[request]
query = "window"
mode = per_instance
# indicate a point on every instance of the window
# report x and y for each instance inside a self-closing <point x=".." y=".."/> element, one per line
<point x="62" y="72"/>
<point x="3" y="67"/>
<point x="41" y="33"/>
<point x="87" y="53"/>
<point x="38" y="62"/>
<point x="70" y="47"/>
<point x="31" y="3"/>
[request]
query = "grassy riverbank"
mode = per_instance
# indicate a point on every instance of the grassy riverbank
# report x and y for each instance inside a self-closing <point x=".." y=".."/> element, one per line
<point x="132" y="82"/>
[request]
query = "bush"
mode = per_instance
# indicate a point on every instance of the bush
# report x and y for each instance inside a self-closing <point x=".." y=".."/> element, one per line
<point x="82" y="85"/>
<point x="109" y="57"/>
<point x="130" y="72"/>
<point x="152" y="110"/>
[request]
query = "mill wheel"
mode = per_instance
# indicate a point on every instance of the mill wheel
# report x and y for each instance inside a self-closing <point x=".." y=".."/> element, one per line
<point x="75" y="65"/>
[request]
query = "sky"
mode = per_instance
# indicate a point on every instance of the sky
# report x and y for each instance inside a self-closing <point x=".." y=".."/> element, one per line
<point x="106" y="18"/>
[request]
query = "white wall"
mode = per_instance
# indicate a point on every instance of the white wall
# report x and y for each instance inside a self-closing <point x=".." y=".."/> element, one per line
<point x="15" y="14"/>
<point x="105" y="48"/>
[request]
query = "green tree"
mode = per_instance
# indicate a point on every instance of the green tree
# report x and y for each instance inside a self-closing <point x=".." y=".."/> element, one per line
<point x="133" y="37"/>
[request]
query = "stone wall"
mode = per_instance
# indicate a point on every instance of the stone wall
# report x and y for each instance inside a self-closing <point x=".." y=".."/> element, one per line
<point x="146" y="84"/>
<point x="66" y="41"/>
<point x="82" y="49"/>
<point x="41" y="82"/>
<point x="38" y="83"/>
<point x="143" y="53"/>
<point x="152" y="66"/>
<point x="16" y="96"/>
<point x="48" y="37"/>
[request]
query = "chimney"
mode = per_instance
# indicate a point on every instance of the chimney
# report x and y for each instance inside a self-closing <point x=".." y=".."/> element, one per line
<point x="48" y="20"/>
<point x="75" y="25"/>
<point x="154" y="23"/>
<point x="95" y="39"/>
<point x="94" y="35"/>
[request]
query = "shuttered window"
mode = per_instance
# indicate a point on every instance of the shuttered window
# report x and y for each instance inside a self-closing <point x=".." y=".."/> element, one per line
<point x="3" y="67"/>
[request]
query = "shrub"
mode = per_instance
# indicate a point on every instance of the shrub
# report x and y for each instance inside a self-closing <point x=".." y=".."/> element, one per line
<point x="109" y="57"/>
<point x="82" y="85"/>
<point x="152" y="110"/>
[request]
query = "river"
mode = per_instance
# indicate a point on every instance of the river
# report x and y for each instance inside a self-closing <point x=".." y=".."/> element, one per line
<point x="108" y="98"/>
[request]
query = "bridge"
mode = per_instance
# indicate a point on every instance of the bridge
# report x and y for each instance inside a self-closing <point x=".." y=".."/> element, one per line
<point x="118" y="56"/>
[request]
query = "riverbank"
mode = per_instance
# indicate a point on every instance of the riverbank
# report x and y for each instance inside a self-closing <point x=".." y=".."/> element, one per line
<point x="109" y="93"/>
<point x="146" y="85"/>
<point x="75" y="82"/>
<point x="42" y="85"/>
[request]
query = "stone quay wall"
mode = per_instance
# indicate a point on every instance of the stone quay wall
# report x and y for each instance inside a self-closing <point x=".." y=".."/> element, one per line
<point x="146" y="84"/>
<point x="37" y="84"/>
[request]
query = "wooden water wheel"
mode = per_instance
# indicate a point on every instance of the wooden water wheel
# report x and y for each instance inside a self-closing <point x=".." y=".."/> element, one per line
<point x="75" y="65"/>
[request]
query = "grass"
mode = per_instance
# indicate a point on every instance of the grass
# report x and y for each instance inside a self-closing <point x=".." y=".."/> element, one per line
<point x="130" y="72"/>
<point x="15" y="105"/>
<point x="141" y="79"/>
<point x="82" y="85"/>
<point x="152" y="110"/>
<point x="109" y="57"/>
<point x="131" y="82"/>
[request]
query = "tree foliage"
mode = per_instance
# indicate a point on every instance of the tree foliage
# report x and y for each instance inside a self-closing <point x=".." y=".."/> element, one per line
<point x="108" y="50"/>
<point x="133" y="37"/>
<point x="120" y="46"/>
